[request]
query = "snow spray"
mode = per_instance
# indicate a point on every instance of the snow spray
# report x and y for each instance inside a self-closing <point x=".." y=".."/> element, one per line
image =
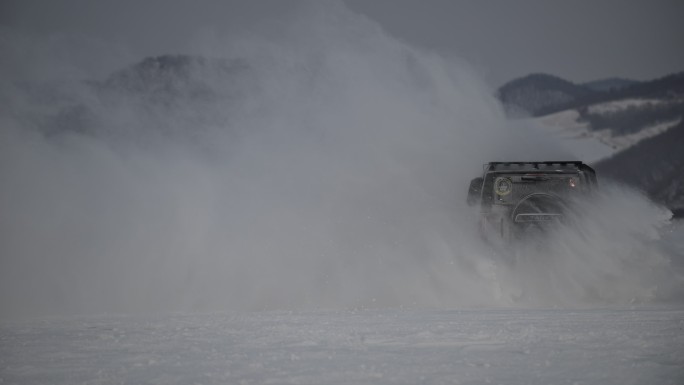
<point x="322" y="166"/>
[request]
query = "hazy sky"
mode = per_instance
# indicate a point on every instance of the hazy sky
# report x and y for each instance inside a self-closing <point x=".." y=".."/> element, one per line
<point x="579" y="40"/>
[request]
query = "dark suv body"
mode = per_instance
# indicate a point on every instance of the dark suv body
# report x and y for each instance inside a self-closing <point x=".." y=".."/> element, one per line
<point x="515" y="196"/>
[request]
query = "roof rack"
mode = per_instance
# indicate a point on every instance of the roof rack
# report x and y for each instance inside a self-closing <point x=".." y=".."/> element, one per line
<point x="536" y="164"/>
<point x="580" y="165"/>
<point x="573" y="162"/>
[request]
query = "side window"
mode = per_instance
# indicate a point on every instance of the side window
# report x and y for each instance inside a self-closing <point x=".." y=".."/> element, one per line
<point x="475" y="191"/>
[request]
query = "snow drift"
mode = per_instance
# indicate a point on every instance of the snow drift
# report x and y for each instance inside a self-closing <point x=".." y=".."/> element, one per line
<point x="322" y="166"/>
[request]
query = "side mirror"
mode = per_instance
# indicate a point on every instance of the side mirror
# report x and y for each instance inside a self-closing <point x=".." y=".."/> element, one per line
<point x="475" y="191"/>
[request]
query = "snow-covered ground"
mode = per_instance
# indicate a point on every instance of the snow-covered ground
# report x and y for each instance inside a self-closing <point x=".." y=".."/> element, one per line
<point x="575" y="135"/>
<point x="592" y="145"/>
<point x="636" y="345"/>
<point x="619" y="105"/>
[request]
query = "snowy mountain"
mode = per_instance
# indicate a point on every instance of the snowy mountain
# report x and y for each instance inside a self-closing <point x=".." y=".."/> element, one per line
<point x="536" y="93"/>
<point x="172" y="76"/>
<point x="633" y="130"/>
<point x="168" y="94"/>
<point x="542" y="94"/>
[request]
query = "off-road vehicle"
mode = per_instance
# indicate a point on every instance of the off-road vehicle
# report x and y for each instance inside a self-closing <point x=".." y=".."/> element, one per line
<point x="514" y="197"/>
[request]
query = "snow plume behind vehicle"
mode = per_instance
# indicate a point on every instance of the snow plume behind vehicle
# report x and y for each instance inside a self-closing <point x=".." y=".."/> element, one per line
<point x="322" y="166"/>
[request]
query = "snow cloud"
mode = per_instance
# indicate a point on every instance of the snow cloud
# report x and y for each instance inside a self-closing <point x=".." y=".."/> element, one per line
<point x="320" y="163"/>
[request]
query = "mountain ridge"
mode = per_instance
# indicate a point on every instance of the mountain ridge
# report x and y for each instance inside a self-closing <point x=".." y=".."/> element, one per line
<point x="522" y="94"/>
<point x="608" y="84"/>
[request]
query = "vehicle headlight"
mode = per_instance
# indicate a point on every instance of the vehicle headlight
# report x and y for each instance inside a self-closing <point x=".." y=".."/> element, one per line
<point x="503" y="186"/>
